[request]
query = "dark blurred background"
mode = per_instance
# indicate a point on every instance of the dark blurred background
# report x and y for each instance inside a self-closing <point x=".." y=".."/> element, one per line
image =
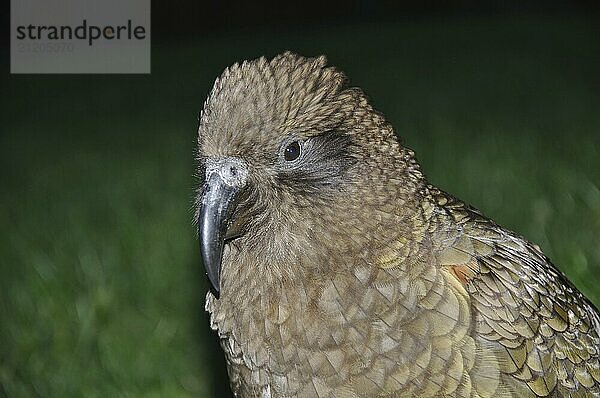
<point x="101" y="286"/>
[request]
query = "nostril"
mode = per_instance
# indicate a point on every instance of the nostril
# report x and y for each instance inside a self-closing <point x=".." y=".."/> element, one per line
<point x="232" y="171"/>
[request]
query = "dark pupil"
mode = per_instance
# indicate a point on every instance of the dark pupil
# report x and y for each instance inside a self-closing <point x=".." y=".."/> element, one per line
<point x="292" y="151"/>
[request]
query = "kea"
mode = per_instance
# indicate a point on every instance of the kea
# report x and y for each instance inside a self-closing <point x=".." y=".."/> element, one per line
<point x="337" y="270"/>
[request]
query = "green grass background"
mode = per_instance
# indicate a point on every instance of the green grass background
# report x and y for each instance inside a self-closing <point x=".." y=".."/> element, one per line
<point x="101" y="286"/>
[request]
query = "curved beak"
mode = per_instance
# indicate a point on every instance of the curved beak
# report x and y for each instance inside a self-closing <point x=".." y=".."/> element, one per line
<point x="225" y="179"/>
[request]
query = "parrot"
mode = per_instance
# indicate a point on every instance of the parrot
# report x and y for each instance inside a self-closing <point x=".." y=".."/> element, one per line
<point x="337" y="270"/>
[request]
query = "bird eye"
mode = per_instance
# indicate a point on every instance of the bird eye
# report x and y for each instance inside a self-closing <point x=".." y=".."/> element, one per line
<point x="292" y="151"/>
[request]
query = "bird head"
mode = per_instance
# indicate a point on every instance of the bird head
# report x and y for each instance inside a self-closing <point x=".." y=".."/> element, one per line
<point x="290" y="158"/>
